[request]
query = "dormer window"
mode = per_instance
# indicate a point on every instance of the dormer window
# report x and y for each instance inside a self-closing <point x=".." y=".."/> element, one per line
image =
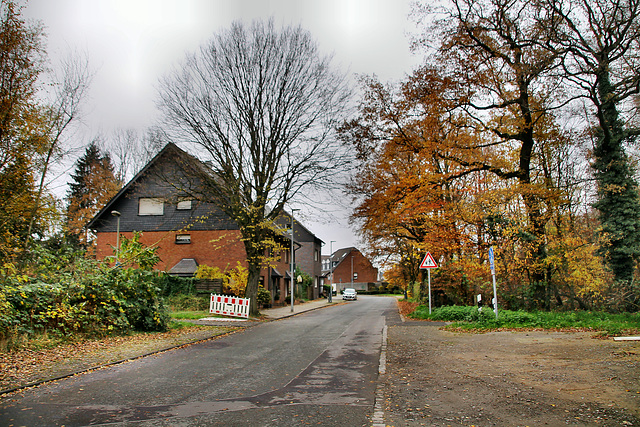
<point x="184" y="205"/>
<point x="150" y="206"/>
<point x="183" y="239"/>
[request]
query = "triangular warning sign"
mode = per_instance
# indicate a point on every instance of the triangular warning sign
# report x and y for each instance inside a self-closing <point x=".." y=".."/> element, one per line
<point x="428" y="261"/>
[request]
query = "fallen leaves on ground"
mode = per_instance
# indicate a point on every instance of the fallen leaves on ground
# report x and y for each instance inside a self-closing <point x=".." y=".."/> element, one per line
<point x="26" y="366"/>
<point x="405" y="307"/>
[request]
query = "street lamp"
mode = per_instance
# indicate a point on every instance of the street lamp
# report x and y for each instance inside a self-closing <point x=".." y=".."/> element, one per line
<point x="352" y="271"/>
<point x="331" y="270"/>
<point x="117" y="215"/>
<point x="292" y="255"/>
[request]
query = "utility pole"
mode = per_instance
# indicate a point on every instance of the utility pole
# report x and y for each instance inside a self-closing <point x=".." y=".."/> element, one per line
<point x="292" y="296"/>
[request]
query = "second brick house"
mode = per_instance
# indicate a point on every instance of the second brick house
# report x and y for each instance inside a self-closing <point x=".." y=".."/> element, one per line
<point x="349" y="268"/>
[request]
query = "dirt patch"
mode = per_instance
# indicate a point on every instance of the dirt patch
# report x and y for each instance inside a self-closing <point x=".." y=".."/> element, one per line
<point x="22" y="367"/>
<point x="441" y="378"/>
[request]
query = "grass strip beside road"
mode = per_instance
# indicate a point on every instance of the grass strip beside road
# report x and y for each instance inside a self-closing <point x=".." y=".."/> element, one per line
<point x="470" y="319"/>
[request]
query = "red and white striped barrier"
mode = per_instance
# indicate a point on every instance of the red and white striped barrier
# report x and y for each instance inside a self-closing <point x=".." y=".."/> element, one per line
<point x="229" y="306"/>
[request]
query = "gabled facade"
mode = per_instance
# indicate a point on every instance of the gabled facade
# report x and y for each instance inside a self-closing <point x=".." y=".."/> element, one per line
<point x="308" y="252"/>
<point x="187" y="232"/>
<point x="349" y="268"/>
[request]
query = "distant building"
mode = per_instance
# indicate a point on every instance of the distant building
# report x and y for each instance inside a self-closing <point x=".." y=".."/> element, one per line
<point x="188" y="232"/>
<point x="349" y="268"/>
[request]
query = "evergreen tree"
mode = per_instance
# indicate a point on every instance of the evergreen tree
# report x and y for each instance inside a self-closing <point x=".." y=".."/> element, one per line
<point x="94" y="184"/>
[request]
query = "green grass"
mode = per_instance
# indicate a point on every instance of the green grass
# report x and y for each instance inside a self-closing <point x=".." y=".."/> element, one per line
<point x="178" y="324"/>
<point x="191" y="314"/>
<point x="468" y="318"/>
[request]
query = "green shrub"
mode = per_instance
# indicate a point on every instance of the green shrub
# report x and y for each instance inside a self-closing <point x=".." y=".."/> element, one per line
<point x="172" y="285"/>
<point x="69" y="294"/>
<point x="470" y="318"/>
<point x="188" y="302"/>
<point x="264" y="296"/>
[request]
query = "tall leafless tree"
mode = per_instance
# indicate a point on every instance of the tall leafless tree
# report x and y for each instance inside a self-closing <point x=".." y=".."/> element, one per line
<point x="262" y="103"/>
<point x="70" y="84"/>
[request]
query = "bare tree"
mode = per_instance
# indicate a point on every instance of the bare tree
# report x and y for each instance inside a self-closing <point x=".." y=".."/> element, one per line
<point x="69" y="89"/>
<point x="263" y="105"/>
<point x="131" y="150"/>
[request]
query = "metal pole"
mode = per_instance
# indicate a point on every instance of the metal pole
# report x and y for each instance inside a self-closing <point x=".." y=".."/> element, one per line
<point x="330" y="292"/>
<point x="495" y="296"/>
<point x="292" y="255"/>
<point x="117" y="215"/>
<point x="492" y="265"/>
<point x="352" y="271"/>
<point x="429" y="275"/>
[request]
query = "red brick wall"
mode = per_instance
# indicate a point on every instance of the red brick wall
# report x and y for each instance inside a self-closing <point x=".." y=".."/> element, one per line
<point x="361" y="265"/>
<point x="215" y="248"/>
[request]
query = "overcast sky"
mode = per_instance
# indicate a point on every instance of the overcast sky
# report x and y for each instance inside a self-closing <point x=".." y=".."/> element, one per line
<point x="132" y="43"/>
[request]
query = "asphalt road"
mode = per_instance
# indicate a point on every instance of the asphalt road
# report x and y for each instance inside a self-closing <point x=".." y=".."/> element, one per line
<point x="316" y="368"/>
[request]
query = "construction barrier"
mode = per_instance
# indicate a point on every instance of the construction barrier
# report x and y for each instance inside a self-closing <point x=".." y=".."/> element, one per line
<point x="229" y="306"/>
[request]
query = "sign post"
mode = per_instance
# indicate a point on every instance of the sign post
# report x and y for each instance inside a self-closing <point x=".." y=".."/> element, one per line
<point x="493" y="275"/>
<point x="428" y="263"/>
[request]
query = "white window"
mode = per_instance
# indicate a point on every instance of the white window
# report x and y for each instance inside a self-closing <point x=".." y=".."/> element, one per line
<point x="184" y="205"/>
<point x="183" y="239"/>
<point x="150" y="206"/>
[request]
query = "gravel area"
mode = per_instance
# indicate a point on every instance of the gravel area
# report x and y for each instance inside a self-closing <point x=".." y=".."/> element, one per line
<point x="440" y="378"/>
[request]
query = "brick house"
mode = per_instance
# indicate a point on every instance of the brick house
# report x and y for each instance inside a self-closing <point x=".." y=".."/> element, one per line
<point x="188" y="232"/>
<point x="307" y="253"/>
<point x="349" y="268"/>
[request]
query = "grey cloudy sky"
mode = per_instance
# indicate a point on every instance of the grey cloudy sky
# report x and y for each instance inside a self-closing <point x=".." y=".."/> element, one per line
<point x="132" y="43"/>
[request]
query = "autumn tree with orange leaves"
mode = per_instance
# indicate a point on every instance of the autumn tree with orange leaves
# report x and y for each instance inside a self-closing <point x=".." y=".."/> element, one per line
<point x="471" y="154"/>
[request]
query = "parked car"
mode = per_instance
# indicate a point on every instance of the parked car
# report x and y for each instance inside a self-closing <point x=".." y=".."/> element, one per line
<point x="349" y="294"/>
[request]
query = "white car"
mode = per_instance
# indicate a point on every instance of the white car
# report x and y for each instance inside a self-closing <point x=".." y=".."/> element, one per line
<point x="349" y="294"/>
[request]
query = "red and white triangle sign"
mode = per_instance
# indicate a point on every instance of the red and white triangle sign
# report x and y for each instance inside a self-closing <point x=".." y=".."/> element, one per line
<point x="428" y="261"/>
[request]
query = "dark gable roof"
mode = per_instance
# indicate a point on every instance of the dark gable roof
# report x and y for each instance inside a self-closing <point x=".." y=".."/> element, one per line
<point x="340" y="255"/>
<point x="174" y="153"/>
<point x="170" y="150"/>
<point x="285" y="219"/>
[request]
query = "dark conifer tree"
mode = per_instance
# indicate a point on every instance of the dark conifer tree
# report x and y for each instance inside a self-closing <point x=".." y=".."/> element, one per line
<point x="93" y="184"/>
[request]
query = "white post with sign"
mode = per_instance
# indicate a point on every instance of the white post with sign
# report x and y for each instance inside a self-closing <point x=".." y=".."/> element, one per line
<point x="428" y="263"/>
<point x="493" y="275"/>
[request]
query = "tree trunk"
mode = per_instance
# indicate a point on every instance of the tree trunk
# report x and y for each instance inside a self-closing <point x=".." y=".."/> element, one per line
<point x="251" y="291"/>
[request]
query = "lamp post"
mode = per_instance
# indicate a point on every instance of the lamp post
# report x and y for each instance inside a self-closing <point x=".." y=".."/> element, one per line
<point x="352" y="271"/>
<point x="292" y="256"/>
<point x="117" y="215"/>
<point x="330" y="296"/>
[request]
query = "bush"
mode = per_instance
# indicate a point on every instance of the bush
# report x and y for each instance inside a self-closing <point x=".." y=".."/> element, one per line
<point x="66" y="294"/>
<point x="172" y="285"/>
<point x="470" y="318"/>
<point x="264" y="296"/>
<point x="188" y="302"/>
